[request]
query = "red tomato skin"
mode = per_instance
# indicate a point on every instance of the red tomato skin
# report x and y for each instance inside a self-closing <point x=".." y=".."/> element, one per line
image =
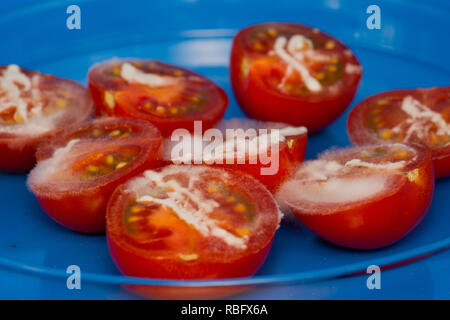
<point x="18" y="159"/>
<point x="166" y="126"/>
<point x="380" y="223"/>
<point x="85" y="212"/>
<point x="132" y="264"/>
<point x="258" y="102"/>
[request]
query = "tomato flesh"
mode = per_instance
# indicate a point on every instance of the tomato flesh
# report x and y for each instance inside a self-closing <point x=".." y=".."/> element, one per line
<point x="183" y="222"/>
<point x="271" y="167"/>
<point x="293" y="74"/>
<point x="415" y="115"/>
<point x="85" y="165"/>
<point x="362" y="197"/>
<point x="34" y="107"/>
<point x="167" y="96"/>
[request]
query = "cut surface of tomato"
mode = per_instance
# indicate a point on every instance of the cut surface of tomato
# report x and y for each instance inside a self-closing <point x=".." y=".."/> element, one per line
<point x="34" y="107"/>
<point x="362" y="197"/>
<point x="268" y="151"/>
<point x="413" y="115"/>
<point x="292" y="73"/>
<point x="190" y="222"/>
<point x="168" y="96"/>
<point x="78" y="171"/>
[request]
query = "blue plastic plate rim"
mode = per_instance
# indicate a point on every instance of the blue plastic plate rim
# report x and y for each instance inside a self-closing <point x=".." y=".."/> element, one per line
<point x="308" y="276"/>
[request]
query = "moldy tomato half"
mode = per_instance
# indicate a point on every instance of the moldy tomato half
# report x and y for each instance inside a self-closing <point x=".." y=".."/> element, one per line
<point x="34" y="107"/>
<point x="413" y="115"/>
<point x="168" y="96"/>
<point x="190" y="222"/>
<point x="362" y="197"/>
<point x="292" y="73"/>
<point x="268" y="151"/>
<point x="78" y="171"/>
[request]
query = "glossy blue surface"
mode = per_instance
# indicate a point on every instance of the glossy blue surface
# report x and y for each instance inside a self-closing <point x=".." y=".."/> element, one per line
<point x="411" y="50"/>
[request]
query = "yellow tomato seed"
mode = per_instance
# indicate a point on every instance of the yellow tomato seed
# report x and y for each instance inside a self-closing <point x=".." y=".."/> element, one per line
<point x="386" y="134"/>
<point x="334" y="60"/>
<point x="120" y="165"/>
<point x="188" y="256"/>
<point x="109" y="99"/>
<point x="243" y="232"/>
<point x="241" y="208"/>
<point x="212" y="188"/>
<point x="60" y="103"/>
<point x="160" y="110"/>
<point x="137" y="209"/>
<point x="92" y="169"/>
<point x="18" y="118"/>
<point x="230" y="200"/>
<point x="109" y="159"/>
<point x="320" y="76"/>
<point x="134" y="219"/>
<point x="178" y="73"/>
<point x="401" y="155"/>
<point x="114" y="133"/>
<point x="272" y="32"/>
<point x="330" y="45"/>
<point x="332" y="68"/>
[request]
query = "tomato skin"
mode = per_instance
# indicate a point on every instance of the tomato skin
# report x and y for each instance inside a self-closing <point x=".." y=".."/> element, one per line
<point x="18" y="159"/>
<point x="129" y="97"/>
<point x="132" y="264"/>
<point x="136" y="262"/>
<point x="359" y="134"/>
<point x="83" y="209"/>
<point x="258" y="101"/>
<point x="382" y="222"/>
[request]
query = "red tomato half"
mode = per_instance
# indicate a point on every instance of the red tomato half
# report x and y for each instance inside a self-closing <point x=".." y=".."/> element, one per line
<point x="34" y="107"/>
<point x="246" y="145"/>
<point x="190" y="222"/>
<point x="362" y="197"/>
<point x="167" y="96"/>
<point x="78" y="171"/>
<point x="418" y="116"/>
<point x="292" y="73"/>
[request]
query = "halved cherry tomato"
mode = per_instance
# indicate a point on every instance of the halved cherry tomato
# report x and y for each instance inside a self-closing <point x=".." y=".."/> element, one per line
<point x="34" y="107"/>
<point x="362" y="197"/>
<point x="190" y="222"/>
<point x="414" y="115"/>
<point x="169" y="97"/>
<point x="292" y="73"/>
<point x="78" y="171"/>
<point x="268" y="151"/>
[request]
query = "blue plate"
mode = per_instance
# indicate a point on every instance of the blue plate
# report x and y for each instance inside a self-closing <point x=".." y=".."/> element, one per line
<point x="409" y="51"/>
